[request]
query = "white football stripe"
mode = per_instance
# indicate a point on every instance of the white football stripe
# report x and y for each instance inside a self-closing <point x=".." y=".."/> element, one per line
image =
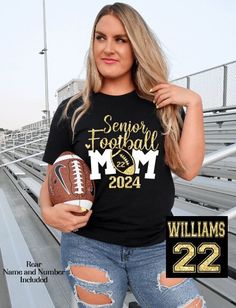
<point x="68" y="156"/>
<point x="87" y="204"/>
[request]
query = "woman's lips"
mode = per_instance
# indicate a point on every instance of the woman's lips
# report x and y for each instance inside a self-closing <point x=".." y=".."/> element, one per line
<point x="109" y="61"/>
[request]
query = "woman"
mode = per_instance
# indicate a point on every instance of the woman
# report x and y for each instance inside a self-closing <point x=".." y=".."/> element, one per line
<point x="127" y="126"/>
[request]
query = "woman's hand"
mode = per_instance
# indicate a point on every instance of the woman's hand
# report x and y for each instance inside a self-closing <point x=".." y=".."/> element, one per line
<point x="65" y="217"/>
<point x="170" y="94"/>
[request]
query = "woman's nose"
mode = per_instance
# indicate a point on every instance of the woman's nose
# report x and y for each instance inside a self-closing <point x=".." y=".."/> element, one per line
<point x="109" y="47"/>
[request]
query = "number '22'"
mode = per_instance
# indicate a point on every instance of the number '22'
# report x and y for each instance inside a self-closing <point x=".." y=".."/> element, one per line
<point x="206" y="266"/>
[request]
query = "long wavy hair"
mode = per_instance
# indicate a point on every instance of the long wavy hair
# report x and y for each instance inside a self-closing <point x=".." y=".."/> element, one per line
<point x="149" y="69"/>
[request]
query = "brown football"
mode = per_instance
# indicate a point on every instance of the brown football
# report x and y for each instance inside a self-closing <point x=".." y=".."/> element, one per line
<point x="69" y="182"/>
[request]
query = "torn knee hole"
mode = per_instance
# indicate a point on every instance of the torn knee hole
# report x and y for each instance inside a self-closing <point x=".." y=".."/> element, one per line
<point x="195" y="303"/>
<point x="88" y="273"/>
<point x="92" y="298"/>
<point x="170" y="282"/>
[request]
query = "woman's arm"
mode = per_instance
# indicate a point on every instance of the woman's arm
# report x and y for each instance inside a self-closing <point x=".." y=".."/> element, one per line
<point x="63" y="217"/>
<point x="192" y="138"/>
<point x="192" y="142"/>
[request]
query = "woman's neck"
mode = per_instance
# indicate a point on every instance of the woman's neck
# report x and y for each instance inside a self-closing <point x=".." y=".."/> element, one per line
<point x="117" y="87"/>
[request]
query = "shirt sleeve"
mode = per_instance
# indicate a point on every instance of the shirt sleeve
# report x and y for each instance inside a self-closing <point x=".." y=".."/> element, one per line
<point x="60" y="135"/>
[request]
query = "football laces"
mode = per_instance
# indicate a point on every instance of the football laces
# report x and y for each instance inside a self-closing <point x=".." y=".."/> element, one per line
<point x="77" y="176"/>
<point x="125" y="159"/>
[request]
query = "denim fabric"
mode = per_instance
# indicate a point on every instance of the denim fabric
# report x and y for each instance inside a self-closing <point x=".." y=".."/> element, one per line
<point x="139" y="268"/>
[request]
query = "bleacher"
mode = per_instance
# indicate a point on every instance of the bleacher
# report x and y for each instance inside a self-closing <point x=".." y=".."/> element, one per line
<point x="24" y="236"/>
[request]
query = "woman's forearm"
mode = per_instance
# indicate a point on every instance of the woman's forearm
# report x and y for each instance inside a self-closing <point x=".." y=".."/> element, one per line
<point x="192" y="142"/>
<point x="44" y="198"/>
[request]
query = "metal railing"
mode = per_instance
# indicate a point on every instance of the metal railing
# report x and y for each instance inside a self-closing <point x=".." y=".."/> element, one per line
<point x="216" y="86"/>
<point x="214" y="157"/>
<point x="43" y="124"/>
<point x="20" y="146"/>
<point x="23" y="134"/>
<point x="21" y="159"/>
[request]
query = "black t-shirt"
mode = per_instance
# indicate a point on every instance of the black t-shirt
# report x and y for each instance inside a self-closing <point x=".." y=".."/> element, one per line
<point x="120" y="138"/>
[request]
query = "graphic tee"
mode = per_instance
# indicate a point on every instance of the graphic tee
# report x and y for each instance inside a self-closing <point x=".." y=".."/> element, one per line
<point x="121" y="140"/>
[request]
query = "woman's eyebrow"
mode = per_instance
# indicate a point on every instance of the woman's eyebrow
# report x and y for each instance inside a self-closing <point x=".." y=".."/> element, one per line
<point x="117" y="35"/>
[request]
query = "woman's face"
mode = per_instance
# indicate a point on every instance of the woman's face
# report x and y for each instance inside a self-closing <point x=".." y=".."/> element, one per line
<point x="112" y="49"/>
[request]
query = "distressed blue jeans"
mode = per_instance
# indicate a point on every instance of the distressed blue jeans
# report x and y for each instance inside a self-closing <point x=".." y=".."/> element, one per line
<point x="140" y="268"/>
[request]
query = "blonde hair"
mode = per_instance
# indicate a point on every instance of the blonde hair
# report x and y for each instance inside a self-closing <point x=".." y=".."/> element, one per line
<point x="149" y="69"/>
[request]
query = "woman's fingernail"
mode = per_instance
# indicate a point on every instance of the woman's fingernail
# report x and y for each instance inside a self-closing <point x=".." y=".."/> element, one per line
<point x="150" y="90"/>
<point x="154" y="102"/>
<point x="157" y="106"/>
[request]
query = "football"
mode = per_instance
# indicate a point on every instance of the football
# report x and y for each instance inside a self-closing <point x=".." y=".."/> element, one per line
<point x="69" y="182"/>
<point x="123" y="161"/>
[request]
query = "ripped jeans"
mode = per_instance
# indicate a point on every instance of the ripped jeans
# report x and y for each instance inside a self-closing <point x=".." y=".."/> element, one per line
<point x="100" y="273"/>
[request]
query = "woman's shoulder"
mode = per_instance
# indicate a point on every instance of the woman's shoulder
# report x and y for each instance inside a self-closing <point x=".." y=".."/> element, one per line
<point x="62" y="114"/>
<point x="71" y="104"/>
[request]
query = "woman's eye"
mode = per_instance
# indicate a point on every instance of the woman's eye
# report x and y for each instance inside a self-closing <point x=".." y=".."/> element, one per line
<point x="99" y="37"/>
<point x="120" y="40"/>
